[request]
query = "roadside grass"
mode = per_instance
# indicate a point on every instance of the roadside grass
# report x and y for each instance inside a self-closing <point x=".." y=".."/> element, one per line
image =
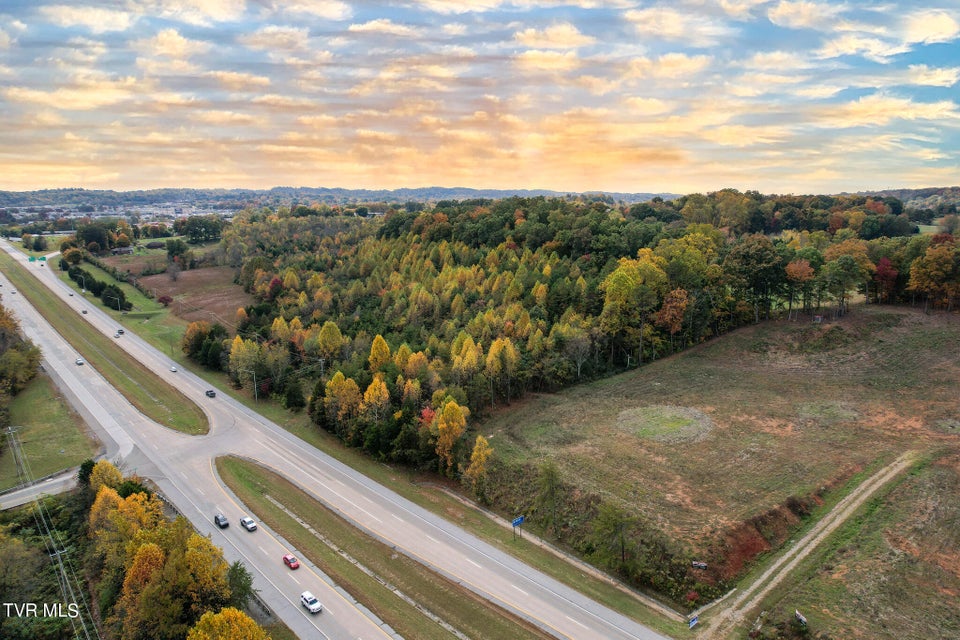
<point x="454" y="605"/>
<point x="888" y="573"/>
<point x="53" y="437"/>
<point x="152" y="396"/>
<point x="140" y="302"/>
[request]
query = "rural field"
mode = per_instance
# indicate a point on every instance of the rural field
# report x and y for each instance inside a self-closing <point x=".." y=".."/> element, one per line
<point x="712" y="444"/>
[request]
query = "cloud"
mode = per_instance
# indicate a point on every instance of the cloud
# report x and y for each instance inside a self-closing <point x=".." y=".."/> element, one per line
<point x="221" y="117"/>
<point x="169" y="43"/>
<point x="803" y="15"/>
<point x="238" y="80"/>
<point x="746" y="136"/>
<point x="740" y="9"/>
<point x="697" y="30"/>
<point x="383" y="26"/>
<point x="326" y="9"/>
<point x="850" y="44"/>
<point x="274" y="37"/>
<point x="647" y="106"/>
<point x="930" y="27"/>
<point x="196" y="12"/>
<point x="95" y="19"/>
<point x="559" y="36"/>
<point x="84" y="94"/>
<point x="6" y="40"/>
<point x="537" y="60"/>
<point x="670" y="66"/>
<point x="880" y="110"/>
<point x="757" y="84"/>
<point x="933" y="77"/>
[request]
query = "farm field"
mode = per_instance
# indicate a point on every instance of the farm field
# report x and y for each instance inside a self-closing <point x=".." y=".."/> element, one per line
<point x="709" y="444"/>
<point x="202" y="294"/>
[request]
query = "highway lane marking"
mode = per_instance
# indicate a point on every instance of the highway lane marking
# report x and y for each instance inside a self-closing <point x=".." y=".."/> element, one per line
<point x="294" y="578"/>
<point x="576" y="622"/>
<point x="519" y="589"/>
<point x="262" y="549"/>
<point x="397" y="517"/>
<point x="200" y="491"/>
<point x="477" y="565"/>
<point x="431" y="538"/>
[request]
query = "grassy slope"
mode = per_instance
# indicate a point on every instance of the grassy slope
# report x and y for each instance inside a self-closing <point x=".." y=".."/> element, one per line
<point x="53" y="437"/>
<point x="790" y="407"/>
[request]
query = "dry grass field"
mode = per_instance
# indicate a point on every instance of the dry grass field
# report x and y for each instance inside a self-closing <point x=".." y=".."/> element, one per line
<point x="202" y="294"/>
<point x="727" y="432"/>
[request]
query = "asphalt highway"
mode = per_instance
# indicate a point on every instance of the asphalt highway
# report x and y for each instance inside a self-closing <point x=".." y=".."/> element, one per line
<point x="183" y="467"/>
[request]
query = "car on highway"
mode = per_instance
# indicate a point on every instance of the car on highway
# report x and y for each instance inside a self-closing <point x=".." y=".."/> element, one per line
<point x="120" y="331"/>
<point x="116" y="335"/>
<point x="84" y="312"/>
<point x="221" y="521"/>
<point x="291" y="561"/>
<point x="310" y="601"/>
<point x="211" y="393"/>
<point x="247" y="523"/>
<point x="79" y="361"/>
<point x="173" y="368"/>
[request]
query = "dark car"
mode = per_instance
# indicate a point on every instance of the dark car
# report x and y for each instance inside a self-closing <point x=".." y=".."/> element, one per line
<point x="211" y="393"/>
<point x="221" y="521"/>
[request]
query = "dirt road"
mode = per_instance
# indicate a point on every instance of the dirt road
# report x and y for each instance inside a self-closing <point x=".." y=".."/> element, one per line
<point x="724" y="621"/>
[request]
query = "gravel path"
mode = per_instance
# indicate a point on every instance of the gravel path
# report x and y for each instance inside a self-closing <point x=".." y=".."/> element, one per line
<point x="728" y="618"/>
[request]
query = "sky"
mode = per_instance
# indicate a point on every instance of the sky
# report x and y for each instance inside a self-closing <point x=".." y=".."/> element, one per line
<point x="674" y="96"/>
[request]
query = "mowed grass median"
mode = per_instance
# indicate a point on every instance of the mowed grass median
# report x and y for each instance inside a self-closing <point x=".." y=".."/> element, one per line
<point x="452" y="604"/>
<point x="145" y="390"/>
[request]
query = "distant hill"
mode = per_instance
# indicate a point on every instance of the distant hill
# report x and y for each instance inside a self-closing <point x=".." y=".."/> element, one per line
<point x="929" y="198"/>
<point x="236" y="198"/>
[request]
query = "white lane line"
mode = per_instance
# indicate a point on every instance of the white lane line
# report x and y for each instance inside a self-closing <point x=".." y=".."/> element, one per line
<point x="477" y="565"/>
<point x="576" y="622"/>
<point x="200" y="491"/>
<point x="263" y="550"/>
<point x="431" y="538"/>
<point x="397" y="517"/>
<point x="519" y="589"/>
<point x="292" y="577"/>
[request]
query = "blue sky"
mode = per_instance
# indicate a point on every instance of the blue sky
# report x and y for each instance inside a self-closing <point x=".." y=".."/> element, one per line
<point x="579" y="95"/>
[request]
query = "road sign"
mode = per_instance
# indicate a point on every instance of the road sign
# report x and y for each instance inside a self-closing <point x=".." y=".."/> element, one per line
<point x="33" y="259"/>
<point x="693" y="621"/>
<point x="518" y="521"/>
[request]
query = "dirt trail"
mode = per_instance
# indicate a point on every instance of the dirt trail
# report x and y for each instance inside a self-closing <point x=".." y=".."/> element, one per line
<point x="727" y="619"/>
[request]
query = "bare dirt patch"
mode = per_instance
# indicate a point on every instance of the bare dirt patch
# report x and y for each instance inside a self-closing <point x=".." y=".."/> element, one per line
<point x="202" y="294"/>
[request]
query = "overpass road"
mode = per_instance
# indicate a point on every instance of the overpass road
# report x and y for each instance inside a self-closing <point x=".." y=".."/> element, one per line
<point x="183" y="467"/>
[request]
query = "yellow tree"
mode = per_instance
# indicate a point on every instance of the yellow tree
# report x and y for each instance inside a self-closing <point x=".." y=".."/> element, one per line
<point x="341" y="400"/>
<point x="451" y="422"/>
<point x="146" y="565"/>
<point x="206" y="584"/>
<point x="104" y="474"/>
<point x="476" y="473"/>
<point x="329" y="341"/>
<point x="376" y="399"/>
<point x="228" y="624"/>
<point x="379" y="353"/>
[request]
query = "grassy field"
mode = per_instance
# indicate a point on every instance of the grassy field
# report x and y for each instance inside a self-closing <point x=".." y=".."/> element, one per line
<point x="450" y="603"/>
<point x="53" y="437"/>
<point x="717" y="434"/>
<point x="893" y="572"/>
<point x="145" y="390"/>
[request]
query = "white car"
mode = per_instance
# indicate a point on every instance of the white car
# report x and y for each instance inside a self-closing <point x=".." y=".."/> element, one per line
<point x="173" y="368"/>
<point x="79" y="361"/>
<point x="310" y="601"/>
<point x="247" y="523"/>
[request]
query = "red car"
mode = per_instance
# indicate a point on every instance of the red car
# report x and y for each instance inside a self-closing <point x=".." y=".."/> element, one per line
<point x="291" y="561"/>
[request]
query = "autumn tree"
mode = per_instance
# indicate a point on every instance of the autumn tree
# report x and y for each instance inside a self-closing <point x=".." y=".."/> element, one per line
<point x="799" y="274"/>
<point x="341" y="401"/>
<point x="476" y="473"/>
<point x="104" y="474"/>
<point x="379" y="353"/>
<point x="671" y="313"/>
<point x="451" y="422"/>
<point x="227" y="624"/>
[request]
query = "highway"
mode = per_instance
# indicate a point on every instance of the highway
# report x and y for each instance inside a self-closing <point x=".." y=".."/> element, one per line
<point x="182" y="467"/>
